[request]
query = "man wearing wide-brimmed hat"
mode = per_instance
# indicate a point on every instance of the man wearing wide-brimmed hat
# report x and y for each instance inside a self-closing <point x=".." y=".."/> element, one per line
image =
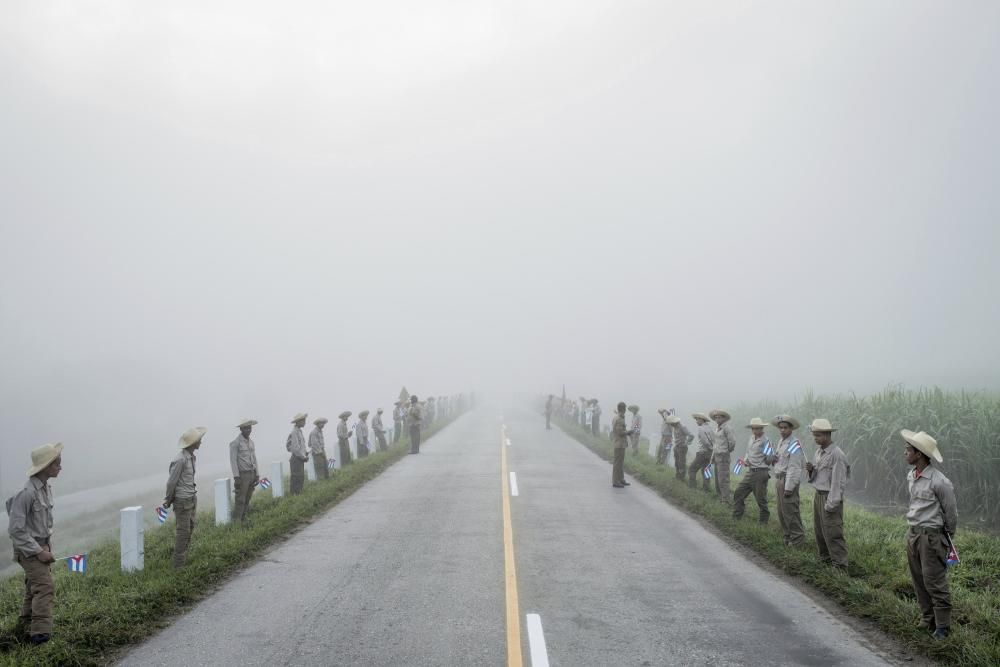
<point x="379" y="429"/>
<point x="828" y="475"/>
<point x="703" y="457"/>
<point x="933" y="519"/>
<point x="317" y="449"/>
<point x="361" y="434"/>
<point x="298" y="454"/>
<point x="30" y="528"/>
<point x="246" y="474"/>
<point x="414" y="420"/>
<point x="619" y="440"/>
<point x="757" y="475"/>
<point x="666" y="438"/>
<point x="344" y="438"/>
<point x="789" y="462"/>
<point x="398" y="414"/>
<point x="182" y="492"/>
<point x="681" y="437"/>
<point x="723" y="444"/>
<point x="636" y="429"/>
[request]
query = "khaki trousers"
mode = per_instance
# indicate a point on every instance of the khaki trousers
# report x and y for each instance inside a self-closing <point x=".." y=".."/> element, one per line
<point x="297" y="472"/>
<point x="680" y="461"/>
<point x="397" y="431"/>
<point x="345" y="452"/>
<point x="634" y="441"/>
<point x="722" y="477"/>
<point x="383" y="446"/>
<point x="789" y="515"/>
<point x="244" y="490"/>
<point x="754" y="482"/>
<point x="701" y="461"/>
<point x="185" y="510"/>
<point x="926" y="552"/>
<point x="618" y="466"/>
<point x="39" y="590"/>
<point x="414" y="439"/>
<point x="661" y="450"/>
<point x="319" y="465"/>
<point x="829" y="529"/>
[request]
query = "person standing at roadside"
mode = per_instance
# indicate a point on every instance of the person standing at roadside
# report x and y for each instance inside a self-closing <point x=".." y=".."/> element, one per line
<point x="619" y="439"/>
<point x="182" y="492"/>
<point x="933" y="518"/>
<point x="414" y="422"/>
<point x="246" y="474"/>
<point x="828" y="475"/>
<point x="595" y="418"/>
<point x="397" y="422"/>
<point x="344" y="438"/>
<point x="361" y="435"/>
<point x="548" y="413"/>
<point x="296" y="446"/>
<point x="317" y="448"/>
<point x="636" y="429"/>
<point x="703" y="458"/>
<point x="666" y="438"/>
<point x="758" y="473"/>
<point x="379" y="429"/>
<point x="681" y="437"/>
<point x="29" y="514"/>
<point x="789" y="461"/>
<point x="723" y="443"/>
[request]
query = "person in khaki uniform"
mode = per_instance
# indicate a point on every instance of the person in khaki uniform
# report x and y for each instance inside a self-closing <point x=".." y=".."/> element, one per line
<point x="702" y="459"/>
<point x="317" y="449"/>
<point x="246" y="474"/>
<point x="361" y="433"/>
<point x="635" y="429"/>
<point x="398" y="413"/>
<point x="723" y="444"/>
<point x="789" y="462"/>
<point x="828" y="475"/>
<point x="29" y="514"/>
<point x="619" y="437"/>
<point x="343" y="438"/>
<point x="595" y="418"/>
<point x="413" y="422"/>
<point x="757" y="473"/>
<point x="681" y="437"/>
<point x="666" y="439"/>
<point x="182" y="492"/>
<point x="933" y="518"/>
<point x="379" y="429"/>
<point x="298" y="454"/>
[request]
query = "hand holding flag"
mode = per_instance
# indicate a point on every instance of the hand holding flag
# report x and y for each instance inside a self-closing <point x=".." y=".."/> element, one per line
<point x="161" y="513"/>
<point x="265" y="483"/>
<point x="77" y="563"/>
<point x="952" y="558"/>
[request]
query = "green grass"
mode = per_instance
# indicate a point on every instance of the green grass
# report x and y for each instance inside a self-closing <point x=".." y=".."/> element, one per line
<point x="102" y="611"/>
<point x="877" y="586"/>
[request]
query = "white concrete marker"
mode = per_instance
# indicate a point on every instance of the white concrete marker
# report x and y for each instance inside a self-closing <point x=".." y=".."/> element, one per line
<point x="277" y="479"/>
<point x="513" y="483"/>
<point x="536" y="639"/>
<point x="652" y="447"/>
<point x="223" y="487"/>
<point x="132" y="539"/>
<point x="310" y="471"/>
<point x="507" y="440"/>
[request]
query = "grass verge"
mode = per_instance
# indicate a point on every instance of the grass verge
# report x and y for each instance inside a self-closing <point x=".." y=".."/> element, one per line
<point x="98" y="613"/>
<point x="877" y="586"/>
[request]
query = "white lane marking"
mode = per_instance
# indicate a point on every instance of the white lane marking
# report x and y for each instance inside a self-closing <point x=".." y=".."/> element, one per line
<point x="507" y="440"/>
<point x="513" y="483"/>
<point x="536" y="639"/>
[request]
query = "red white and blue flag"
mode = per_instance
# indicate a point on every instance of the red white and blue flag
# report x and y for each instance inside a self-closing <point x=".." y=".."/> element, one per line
<point x="738" y="467"/>
<point x="331" y="464"/>
<point x="77" y="563"/>
<point x="265" y="483"/>
<point x="768" y="449"/>
<point x="952" y="558"/>
<point x="707" y="472"/>
<point x="794" y="447"/>
<point x="161" y="513"/>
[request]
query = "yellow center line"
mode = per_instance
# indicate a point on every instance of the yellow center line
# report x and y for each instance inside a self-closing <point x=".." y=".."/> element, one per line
<point x="513" y="613"/>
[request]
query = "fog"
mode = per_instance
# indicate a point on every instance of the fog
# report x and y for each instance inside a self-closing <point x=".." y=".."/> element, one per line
<point x="252" y="209"/>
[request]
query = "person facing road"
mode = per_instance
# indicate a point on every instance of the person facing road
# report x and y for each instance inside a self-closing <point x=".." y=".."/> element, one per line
<point x="246" y="474"/>
<point x="789" y="462"/>
<point x="317" y="449"/>
<point x="619" y="438"/>
<point x="703" y="457"/>
<point x="414" y="422"/>
<point x="182" y="492"/>
<point x="828" y="475"/>
<point x="724" y="442"/>
<point x="344" y="438"/>
<point x="757" y="472"/>
<point x="298" y="454"/>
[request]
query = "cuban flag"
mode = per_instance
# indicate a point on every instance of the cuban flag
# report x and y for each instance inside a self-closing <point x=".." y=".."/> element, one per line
<point x="794" y="447"/>
<point x="952" y="558"/>
<point x="331" y="464"/>
<point x="77" y="563"/>
<point x="707" y="472"/>
<point x="161" y="515"/>
<point x="738" y="467"/>
<point x="768" y="449"/>
<point x="265" y="483"/>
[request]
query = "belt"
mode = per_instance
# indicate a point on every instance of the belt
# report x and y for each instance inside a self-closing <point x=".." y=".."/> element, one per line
<point x="759" y="469"/>
<point x="925" y="530"/>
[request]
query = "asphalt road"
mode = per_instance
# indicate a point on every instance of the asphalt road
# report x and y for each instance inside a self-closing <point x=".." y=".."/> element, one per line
<point x="410" y="571"/>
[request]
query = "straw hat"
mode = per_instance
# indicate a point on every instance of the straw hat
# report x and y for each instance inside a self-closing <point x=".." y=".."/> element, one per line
<point x="715" y="413"/>
<point x="247" y="422"/>
<point x="633" y="408"/>
<point x="320" y="421"/>
<point x="298" y="416"/>
<point x="786" y="418"/>
<point x="363" y="414"/>
<point x="380" y="411"/>
<point x="924" y="443"/>
<point x="757" y="422"/>
<point x="673" y="420"/>
<point x="821" y="426"/>
<point x="345" y="414"/>
<point x="42" y="456"/>
<point x="191" y="436"/>
<point x="700" y="415"/>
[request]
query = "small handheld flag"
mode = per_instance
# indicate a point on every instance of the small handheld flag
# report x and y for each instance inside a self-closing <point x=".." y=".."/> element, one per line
<point x="768" y="449"/>
<point x="161" y="514"/>
<point x="331" y="464"/>
<point x="77" y="563"/>
<point x="708" y="471"/>
<point x="952" y="558"/>
<point x="738" y="467"/>
<point x="794" y="447"/>
<point x="265" y="483"/>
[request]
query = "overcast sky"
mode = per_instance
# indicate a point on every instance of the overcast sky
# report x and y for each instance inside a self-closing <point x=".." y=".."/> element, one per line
<point x="211" y="211"/>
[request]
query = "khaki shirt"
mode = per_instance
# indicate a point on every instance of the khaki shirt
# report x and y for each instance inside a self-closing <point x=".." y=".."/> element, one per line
<point x="317" y="445"/>
<point x="789" y="465"/>
<point x="361" y="432"/>
<point x="377" y="424"/>
<point x="180" y="481"/>
<point x="755" y="452"/>
<point x="723" y="438"/>
<point x="413" y="417"/>
<point x="242" y="456"/>
<point x="706" y="437"/>
<point x="666" y="434"/>
<point x="343" y="433"/>
<point x="619" y="434"/>
<point x="681" y="435"/>
<point x="830" y="474"/>
<point x="296" y="444"/>
<point x="932" y="500"/>
<point x="30" y="517"/>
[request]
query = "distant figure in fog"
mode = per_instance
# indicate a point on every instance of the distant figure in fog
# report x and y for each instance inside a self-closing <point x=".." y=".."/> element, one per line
<point x="703" y="458"/>
<point x="361" y="435"/>
<point x="379" y="429"/>
<point x="296" y="445"/>
<point x="595" y="419"/>
<point x="789" y="464"/>
<point x="636" y="429"/>
<point x="317" y="448"/>
<point x="548" y="413"/>
<point x="666" y="438"/>
<point x="619" y="440"/>
<point x="681" y="437"/>
<point x="246" y="474"/>
<point x="182" y="493"/>
<point x="414" y="422"/>
<point x="344" y="439"/>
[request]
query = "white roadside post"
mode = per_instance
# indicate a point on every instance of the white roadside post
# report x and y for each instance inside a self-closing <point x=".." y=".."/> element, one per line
<point x="223" y="487"/>
<point x="277" y="479"/>
<point x="132" y="539"/>
<point x="652" y="447"/>
<point x="310" y="470"/>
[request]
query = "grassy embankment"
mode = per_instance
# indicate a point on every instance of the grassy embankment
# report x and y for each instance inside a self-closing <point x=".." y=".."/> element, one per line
<point x="106" y="609"/>
<point x="877" y="586"/>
